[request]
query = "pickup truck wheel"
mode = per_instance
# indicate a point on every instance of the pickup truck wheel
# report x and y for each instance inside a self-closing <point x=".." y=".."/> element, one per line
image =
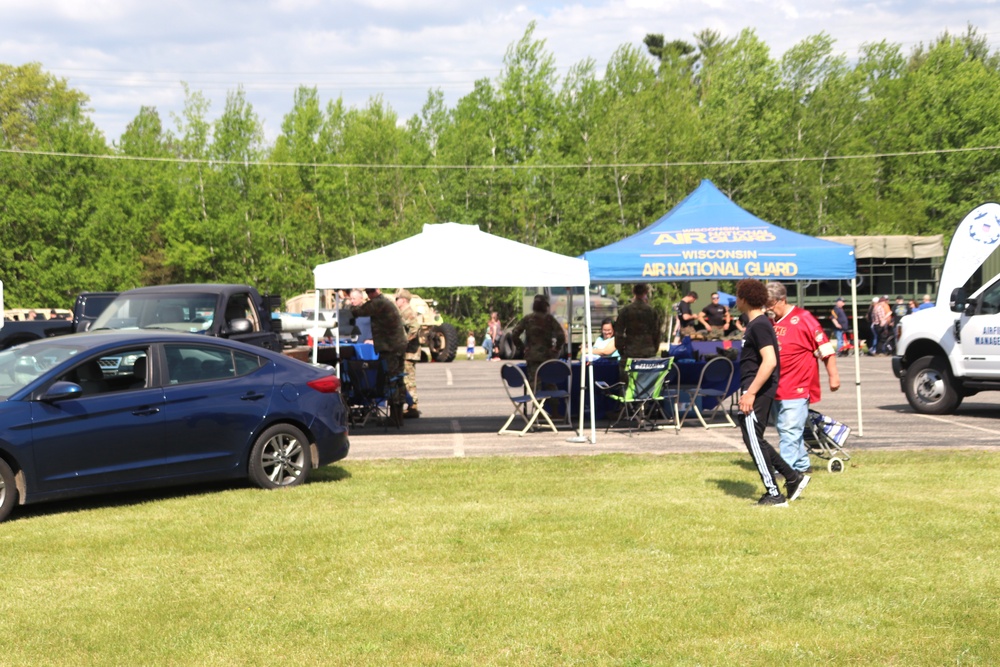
<point x="280" y="457"/>
<point x="8" y="490"/>
<point x="930" y="388"/>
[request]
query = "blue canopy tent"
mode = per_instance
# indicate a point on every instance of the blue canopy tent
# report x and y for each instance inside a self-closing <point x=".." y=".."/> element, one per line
<point x="708" y="237"/>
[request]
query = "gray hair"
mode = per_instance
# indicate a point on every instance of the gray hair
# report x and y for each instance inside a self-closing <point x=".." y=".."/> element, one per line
<point x="776" y="292"/>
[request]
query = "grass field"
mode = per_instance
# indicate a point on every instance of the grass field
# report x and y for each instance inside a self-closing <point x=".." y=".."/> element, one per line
<point x="605" y="560"/>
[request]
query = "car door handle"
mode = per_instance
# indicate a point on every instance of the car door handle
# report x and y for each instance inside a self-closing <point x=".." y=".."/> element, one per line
<point x="144" y="412"/>
<point x="251" y="396"/>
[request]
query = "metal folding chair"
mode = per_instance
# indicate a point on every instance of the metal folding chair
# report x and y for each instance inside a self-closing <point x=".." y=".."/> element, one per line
<point x="526" y="405"/>
<point x="371" y="393"/>
<point x="641" y="394"/>
<point x="714" y="382"/>
<point x="553" y="379"/>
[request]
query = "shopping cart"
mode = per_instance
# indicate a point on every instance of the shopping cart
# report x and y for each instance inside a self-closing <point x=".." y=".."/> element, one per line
<point x="825" y="438"/>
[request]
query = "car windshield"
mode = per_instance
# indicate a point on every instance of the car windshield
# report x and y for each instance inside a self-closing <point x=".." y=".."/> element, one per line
<point x="179" y="312"/>
<point x="22" y="365"/>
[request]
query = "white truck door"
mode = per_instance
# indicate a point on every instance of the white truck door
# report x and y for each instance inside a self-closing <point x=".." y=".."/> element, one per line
<point x="980" y="342"/>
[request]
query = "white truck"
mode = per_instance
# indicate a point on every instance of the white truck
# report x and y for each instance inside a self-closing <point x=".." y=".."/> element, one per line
<point x="952" y="350"/>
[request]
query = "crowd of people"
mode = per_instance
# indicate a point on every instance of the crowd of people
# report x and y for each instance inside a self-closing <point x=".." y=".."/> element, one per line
<point x="779" y="378"/>
<point x="778" y="365"/>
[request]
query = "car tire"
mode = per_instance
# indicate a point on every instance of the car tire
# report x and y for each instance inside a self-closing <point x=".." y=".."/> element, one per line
<point x="930" y="387"/>
<point x="448" y="337"/>
<point x="8" y="490"/>
<point x="280" y="458"/>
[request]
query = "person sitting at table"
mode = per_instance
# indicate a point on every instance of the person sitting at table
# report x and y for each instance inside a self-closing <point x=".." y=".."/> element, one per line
<point x="637" y="331"/>
<point x="544" y="337"/>
<point x="604" y="346"/>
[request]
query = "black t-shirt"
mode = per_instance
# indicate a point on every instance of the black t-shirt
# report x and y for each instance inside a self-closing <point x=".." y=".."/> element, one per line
<point x="684" y="312"/>
<point x="715" y="313"/>
<point x="759" y="334"/>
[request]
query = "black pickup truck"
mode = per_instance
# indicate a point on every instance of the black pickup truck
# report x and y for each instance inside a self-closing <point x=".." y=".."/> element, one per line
<point x="237" y="312"/>
<point x="89" y="305"/>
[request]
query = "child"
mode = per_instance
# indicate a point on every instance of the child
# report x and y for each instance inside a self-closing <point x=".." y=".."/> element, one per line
<point x="470" y="346"/>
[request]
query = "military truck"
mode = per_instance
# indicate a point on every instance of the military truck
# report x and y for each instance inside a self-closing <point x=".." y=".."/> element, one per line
<point x="438" y="339"/>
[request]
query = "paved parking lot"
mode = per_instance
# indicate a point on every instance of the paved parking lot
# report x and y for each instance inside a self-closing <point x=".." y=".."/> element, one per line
<point x="464" y="404"/>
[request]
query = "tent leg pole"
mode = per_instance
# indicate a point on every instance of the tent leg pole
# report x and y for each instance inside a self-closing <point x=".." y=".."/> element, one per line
<point x="857" y="354"/>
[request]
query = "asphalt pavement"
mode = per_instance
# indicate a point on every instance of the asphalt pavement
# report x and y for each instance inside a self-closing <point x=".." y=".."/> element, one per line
<point x="463" y="405"/>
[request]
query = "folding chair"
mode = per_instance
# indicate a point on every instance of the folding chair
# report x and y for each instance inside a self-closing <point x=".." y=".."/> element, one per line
<point x="714" y="382"/>
<point x="372" y="393"/>
<point x="558" y="374"/>
<point x="524" y="400"/>
<point x="641" y="394"/>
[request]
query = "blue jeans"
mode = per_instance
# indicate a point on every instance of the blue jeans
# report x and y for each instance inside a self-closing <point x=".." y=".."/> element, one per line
<point x="840" y="338"/>
<point x="790" y="420"/>
<point x="488" y="347"/>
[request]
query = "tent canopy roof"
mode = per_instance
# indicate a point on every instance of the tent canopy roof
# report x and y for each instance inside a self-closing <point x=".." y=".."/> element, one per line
<point x="454" y="255"/>
<point x="708" y="237"/>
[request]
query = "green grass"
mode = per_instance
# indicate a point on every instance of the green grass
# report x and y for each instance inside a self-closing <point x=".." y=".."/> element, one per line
<point x="607" y="560"/>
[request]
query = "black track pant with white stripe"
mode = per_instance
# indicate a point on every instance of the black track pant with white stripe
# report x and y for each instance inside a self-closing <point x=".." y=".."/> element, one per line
<point x="764" y="457"/>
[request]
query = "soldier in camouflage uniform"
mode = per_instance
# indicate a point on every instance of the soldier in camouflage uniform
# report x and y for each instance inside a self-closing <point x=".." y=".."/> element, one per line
<point x="388" y="334"/>
<point x="544" y="337"/>
<point x="637" y="331"/>
<point x="411" y="323"/>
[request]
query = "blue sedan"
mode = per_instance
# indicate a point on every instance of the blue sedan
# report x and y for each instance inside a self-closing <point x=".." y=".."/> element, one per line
<point x="115" y="410"/>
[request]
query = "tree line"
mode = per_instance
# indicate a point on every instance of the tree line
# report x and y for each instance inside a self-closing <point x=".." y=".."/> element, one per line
<point x="890" y="143"/>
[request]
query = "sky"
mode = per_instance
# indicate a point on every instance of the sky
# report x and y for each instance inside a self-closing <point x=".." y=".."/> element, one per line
<point x="125" y="54"/>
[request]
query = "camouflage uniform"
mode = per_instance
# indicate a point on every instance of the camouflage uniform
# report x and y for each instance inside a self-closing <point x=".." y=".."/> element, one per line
<point x="637" y="332"/>
<point x="411" y="323"/>
<point x="539" y="329"/>
<point x="388" y="334"/>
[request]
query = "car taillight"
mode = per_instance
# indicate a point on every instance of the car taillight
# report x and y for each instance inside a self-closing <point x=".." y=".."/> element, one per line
<point x="329" y="384"/>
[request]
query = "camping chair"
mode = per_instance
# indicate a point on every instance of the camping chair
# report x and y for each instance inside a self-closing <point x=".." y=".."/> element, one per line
<point x="372" y="393"/>
<point x="641" y="394"/>
<point x="526" y="405"/>
<point x="557" y="375"/>
<point x="713" y="382"/>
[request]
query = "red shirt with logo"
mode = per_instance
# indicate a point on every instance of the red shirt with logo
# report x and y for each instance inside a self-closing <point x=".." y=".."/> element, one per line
<point x="801" y="341"/>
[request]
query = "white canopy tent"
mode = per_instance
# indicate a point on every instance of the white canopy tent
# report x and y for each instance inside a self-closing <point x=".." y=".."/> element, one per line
<point x="463" y="256"/>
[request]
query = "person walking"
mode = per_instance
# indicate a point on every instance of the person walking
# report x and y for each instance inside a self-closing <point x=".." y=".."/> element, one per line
<point x="801" y="340"/>
<point x="637" y="331"/>
<point x="759" y="372"/>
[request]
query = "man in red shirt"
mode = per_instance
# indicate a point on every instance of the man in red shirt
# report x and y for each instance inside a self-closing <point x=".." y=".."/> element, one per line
<point x="801" y="340"/>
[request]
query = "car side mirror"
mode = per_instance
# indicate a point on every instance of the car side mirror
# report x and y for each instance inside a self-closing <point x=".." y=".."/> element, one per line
<point x="240" y="325"/>
<point x="957" y="303"/>
<point x="60" y="391"/>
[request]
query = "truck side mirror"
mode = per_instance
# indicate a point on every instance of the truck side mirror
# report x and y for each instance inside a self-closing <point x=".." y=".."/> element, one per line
<point x="240" y="325"/>
<point x="958" y="299"/>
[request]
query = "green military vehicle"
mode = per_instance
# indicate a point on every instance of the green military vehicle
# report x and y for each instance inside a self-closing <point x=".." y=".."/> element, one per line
<point x="438" y="339"/>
